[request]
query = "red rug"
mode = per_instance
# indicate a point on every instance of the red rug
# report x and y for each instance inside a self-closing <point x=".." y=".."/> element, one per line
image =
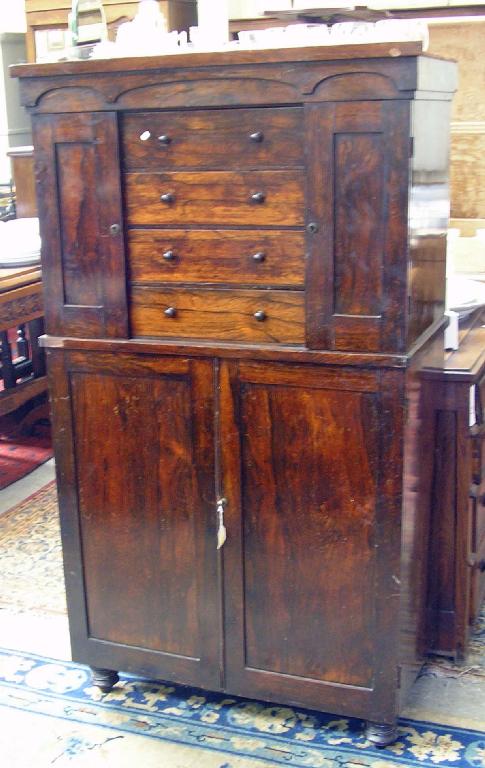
<point x="21" y="454"/>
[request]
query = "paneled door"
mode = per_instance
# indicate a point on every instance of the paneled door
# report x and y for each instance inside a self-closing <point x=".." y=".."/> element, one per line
<point x="140" y="533"/>
<point x="311" y="535"/>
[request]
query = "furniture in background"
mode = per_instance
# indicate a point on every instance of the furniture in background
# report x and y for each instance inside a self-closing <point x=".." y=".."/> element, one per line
<point x="51" y="17"/>
<point x="241" y="325"/>
<point x="22" y="161"/>
<point x="21" y="307"/>
<point x="455" y="397"/>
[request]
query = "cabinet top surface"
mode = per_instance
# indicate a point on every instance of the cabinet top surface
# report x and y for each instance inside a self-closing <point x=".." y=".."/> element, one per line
<point x="215" y="59"/>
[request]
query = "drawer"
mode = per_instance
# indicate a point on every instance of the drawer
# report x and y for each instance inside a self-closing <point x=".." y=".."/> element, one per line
<point x="210" y="139"/>
<point x="216" y="256"/>
<point x="215" y="197"/>
<point x="224" y="314"/>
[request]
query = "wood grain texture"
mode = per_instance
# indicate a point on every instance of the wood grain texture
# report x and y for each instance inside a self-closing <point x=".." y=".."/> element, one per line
<point x="463" y="42"/>
<point x="304" y="511"/>
<point x="79" y="198"/>
<point x="359" y="239"/>
<point x="215" y="196"/>
<point x="456" y="495"/>
<point x="284" y="394"/>
<point x="216" y="256"/>
<point x="467" y="175"/>
<point x="218" y="314"/>
<point x="161" y="516"/>
<point x="357" y="204"/>
<point x="213" y="139"/>
<point x="22" y="162"/>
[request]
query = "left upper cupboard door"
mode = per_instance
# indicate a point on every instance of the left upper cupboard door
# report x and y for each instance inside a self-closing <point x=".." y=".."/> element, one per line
<point x="143" y="596"/>
<point x="80" y="210"/>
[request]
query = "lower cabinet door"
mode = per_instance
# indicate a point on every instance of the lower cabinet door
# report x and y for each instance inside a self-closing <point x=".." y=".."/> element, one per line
<point x="135" y="457"/>
<point x="311" y="474"/>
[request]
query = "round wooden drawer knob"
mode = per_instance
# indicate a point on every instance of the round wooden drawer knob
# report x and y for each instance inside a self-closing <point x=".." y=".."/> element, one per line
<point x="170" y="312"/>
<point x="260" y="315"/>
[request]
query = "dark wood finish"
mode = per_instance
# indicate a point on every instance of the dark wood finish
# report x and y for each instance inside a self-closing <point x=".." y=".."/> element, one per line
<point x="22" y="161"/>
<point x="83" y="257"/>
<point x="218" y="314"/>
<point x="104" y="679"/>
<point x="214" y="139"/>
<point x="455" y="393"/>
<point x="160" y="515"/>
<point x="251" y="257"/>
<point x="266" y="362"/>
<point x="293" y="520"/>
<point x="355" y="255"/>
<point x="222" y="196"/>
<point x="21" y="307"/>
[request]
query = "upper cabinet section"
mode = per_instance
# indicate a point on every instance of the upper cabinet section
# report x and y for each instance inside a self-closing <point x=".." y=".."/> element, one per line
<point x="248" y="197"/>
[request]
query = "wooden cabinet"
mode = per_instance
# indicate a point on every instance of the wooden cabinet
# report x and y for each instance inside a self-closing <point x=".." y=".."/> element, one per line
<point x="455" y="392"/>
<point x="237" y="312"/>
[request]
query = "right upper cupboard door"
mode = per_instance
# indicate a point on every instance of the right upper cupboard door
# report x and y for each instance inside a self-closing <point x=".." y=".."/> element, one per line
<point x="357" y="197"/>
<point x="311" y="474"/>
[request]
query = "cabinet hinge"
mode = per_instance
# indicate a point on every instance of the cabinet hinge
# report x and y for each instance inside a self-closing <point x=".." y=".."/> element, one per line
<point x="411" y="146"/>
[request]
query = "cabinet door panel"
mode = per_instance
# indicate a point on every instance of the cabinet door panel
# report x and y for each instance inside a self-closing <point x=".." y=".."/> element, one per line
<point x="357" y="196"/>
<point x="143" y="451"/>
<point x="79" y="200"/>
<point x="304" y="493"/>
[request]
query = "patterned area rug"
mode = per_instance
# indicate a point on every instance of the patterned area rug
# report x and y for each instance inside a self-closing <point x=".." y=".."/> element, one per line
<point x="71" y="724"/>
<point x="229" y="730"/>
<point x="31" y="576"/>
<point x="21" y="454"/>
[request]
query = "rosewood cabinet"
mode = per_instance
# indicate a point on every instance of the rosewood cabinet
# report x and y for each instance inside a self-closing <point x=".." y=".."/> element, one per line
<point x="244" y="275"/>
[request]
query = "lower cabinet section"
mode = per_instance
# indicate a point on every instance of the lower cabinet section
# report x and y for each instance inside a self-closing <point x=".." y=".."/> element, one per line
<point x="299" y="463"/>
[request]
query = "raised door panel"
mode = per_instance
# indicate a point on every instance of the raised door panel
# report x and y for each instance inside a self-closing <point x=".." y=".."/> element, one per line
<point x="357" y="225"/>
<point x="145" y="507"/>
<point x="80" y="210"/>
<point x="306" y="553"/>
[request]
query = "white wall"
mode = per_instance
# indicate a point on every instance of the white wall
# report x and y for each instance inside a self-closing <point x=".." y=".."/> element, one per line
<point x="13" y="19"/>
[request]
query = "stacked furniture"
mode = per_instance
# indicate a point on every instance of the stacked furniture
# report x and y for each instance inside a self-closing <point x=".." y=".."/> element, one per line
<point x="244" y="273"/>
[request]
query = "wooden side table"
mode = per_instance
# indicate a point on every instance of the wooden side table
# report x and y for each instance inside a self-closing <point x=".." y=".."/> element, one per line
<point x="21" y="307"/>
<point x="456" y="416"/>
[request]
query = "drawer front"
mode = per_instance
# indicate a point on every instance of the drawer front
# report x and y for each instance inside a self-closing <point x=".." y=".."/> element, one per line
<point x="236" y="138"/>
<point x="223" y="314"/>
<point x="216" y="256"/>
<point x="267" y="198"/>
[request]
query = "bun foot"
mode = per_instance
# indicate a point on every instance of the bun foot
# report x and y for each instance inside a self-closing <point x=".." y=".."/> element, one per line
<point x="381" y="734"/>
<point x="104" y="679"/>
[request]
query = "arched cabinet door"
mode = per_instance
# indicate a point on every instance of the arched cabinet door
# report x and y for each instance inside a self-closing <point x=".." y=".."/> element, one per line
<point x="135" y="457"/>
<point x="81" y="219"/>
